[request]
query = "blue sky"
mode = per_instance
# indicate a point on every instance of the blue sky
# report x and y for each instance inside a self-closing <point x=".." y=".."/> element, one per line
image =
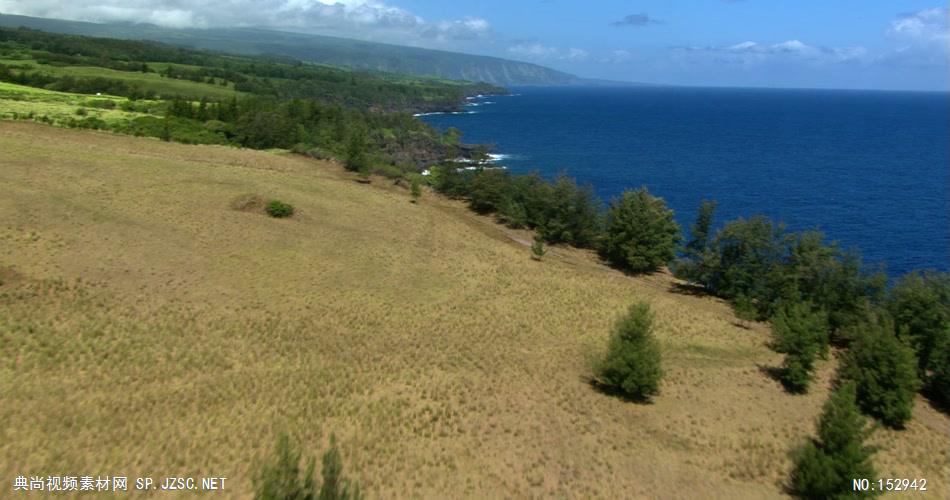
<point x="805" y="43"/>
<point x="896" y="44"/>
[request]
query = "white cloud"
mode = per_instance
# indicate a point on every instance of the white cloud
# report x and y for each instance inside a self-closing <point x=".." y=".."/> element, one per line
<point x="465" y="29"/>
<point x="539" y="51"/>
<point x="533" y="50"/>
<point x="926" y="26"/>
<point x="574" y="54"/>
<point x="616" y="57"/>
<point x="355" y="18"/>
<point x="750" y="53"/>
<point x="922" y="40"/>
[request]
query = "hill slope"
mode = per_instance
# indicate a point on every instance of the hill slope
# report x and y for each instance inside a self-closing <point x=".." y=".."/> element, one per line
<point x="319" y="49"/>
<point x="150" y="329"/>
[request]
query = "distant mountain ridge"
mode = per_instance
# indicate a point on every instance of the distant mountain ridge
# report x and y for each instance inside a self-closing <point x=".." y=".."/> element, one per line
<point x="320" y="49"/>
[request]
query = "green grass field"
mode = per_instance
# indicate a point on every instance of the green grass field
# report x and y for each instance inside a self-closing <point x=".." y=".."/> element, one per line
<point x="146" y="81"/>
<point x="150" y="328"/>
<point x="20" y="102"/>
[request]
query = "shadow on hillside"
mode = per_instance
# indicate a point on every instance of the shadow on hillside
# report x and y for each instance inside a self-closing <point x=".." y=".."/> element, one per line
<point x="775" y="373"/>
<point x="689" y="289"/>
<point x="616" y="392"/>
<point x="936" y="402"/>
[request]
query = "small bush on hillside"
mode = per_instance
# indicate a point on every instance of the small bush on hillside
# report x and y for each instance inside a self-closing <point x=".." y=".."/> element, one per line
<point x="632" y="362"/>
<point x="285" y="477"/>
<point x="415" y="189"/>
<point x="825" y="467"/>
<point x="641" y="233"/>
<point x="801" y="333"/>
<point x="537" y="248"/>
<point x="884" y="372"/>
<point x="279" y="209"/>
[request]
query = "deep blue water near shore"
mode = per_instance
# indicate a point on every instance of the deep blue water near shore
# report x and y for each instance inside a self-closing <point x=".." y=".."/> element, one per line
<point x="870" y="169"/>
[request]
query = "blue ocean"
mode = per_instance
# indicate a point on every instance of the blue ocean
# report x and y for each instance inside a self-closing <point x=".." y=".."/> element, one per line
<point x="869" y="169"/>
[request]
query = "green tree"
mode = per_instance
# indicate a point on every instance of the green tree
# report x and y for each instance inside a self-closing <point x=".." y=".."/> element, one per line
<point x="884" y="371"/>
<point x="537" y="248"/>
<point x="825" y="467"/>
<point x="841" y="287"/>
<point x="939" y="380"/>
<point x="631" y="364"/>
<point x="284" y="479"/>
<point x="513" y="213"/>
<point x="335" y="486"/>
<point x="534" y="194"/>
<point x="920" y="306"/>
<point x="488" y="190"/>
<point x="747" y="258"/>
<point x="166" y="133"/>
<point x="641" y="233"/>
<point x="356" y="158"/>
<point x="744" y="309"/>
<point x="701" y="230"/>
<point x="571" y="214"/>
<point x="690" y="267"/>
<point x="452" y="136"/>
<point x="415" y="189"/>
<point x="801" y="333"/>
<point x="279" y="209"/>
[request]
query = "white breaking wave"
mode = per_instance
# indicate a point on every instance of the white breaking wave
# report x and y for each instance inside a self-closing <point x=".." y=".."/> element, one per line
<point x="445" y="113"/>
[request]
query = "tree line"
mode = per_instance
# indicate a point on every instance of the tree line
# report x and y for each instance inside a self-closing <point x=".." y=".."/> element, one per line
<point x="893" y="341"/>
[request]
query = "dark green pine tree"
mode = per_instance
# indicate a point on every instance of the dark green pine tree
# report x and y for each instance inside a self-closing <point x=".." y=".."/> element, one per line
<point x="415" y="190"/>
<point x="641" y="233"/>
<point x="537" y="248"/>
<point x="632" y="362"/>
<point x="801" y="333"/>
<point x="356" y="160"/>
<point x="690" y="267"/>
<point x="826" y="466"/>
<point x="920" y="306"/>
<point x="284" y="478"/>
<point x="939" y="381"/>
<point x="884" y="371"/>
<point x="335" y="486"/>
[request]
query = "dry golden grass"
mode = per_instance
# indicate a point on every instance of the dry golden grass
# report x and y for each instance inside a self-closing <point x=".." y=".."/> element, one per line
<point x="149" y="328"/>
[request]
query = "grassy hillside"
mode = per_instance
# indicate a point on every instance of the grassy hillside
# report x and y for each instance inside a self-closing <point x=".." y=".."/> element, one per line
<point x="319" y="49"/>
<point x="149" y="328"/>
<point x="149" y="82"/>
